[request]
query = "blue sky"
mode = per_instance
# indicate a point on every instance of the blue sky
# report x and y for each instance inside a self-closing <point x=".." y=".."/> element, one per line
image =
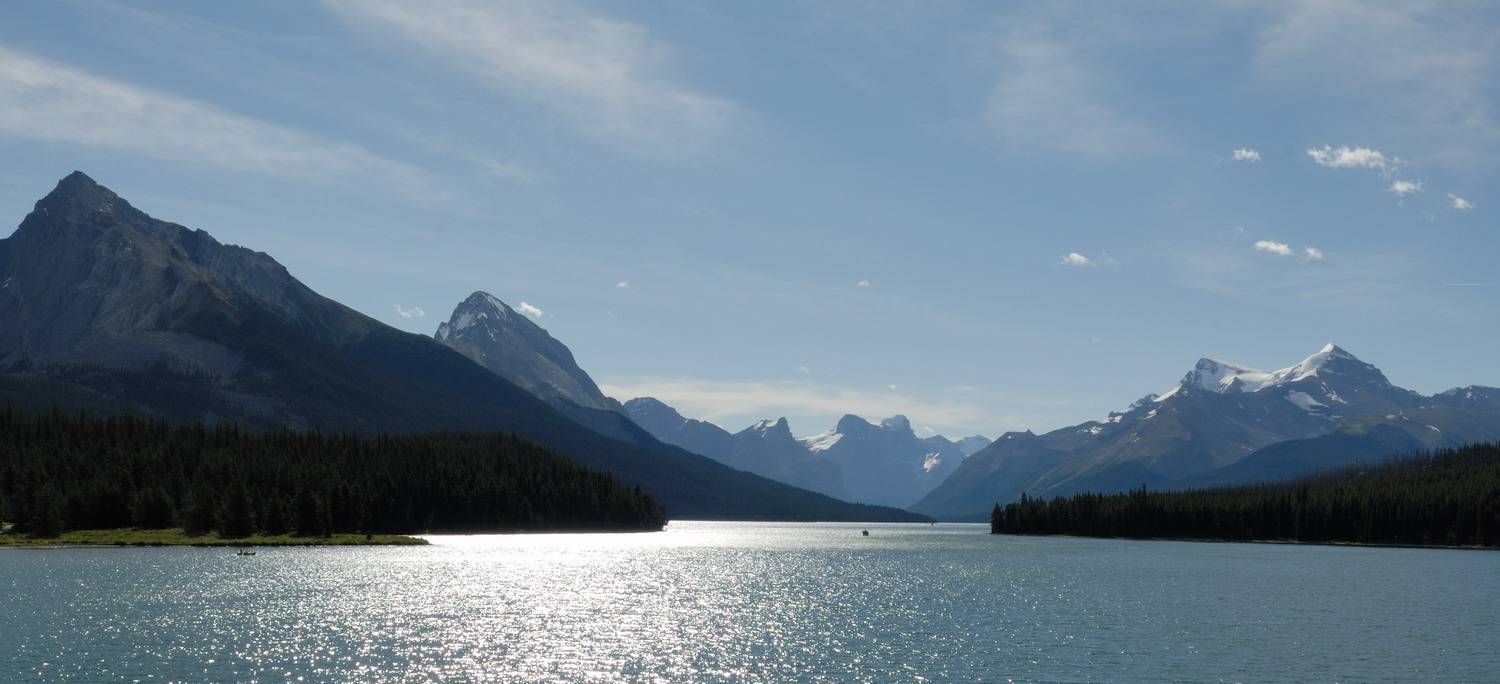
<point x="985" y="216"/>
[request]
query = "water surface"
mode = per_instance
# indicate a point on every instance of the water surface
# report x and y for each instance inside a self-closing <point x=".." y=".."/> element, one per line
<point x="753" y="602"/>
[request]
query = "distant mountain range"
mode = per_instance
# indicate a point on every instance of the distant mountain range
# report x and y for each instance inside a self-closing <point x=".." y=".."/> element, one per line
<point x="1224" y="423"/>
<point x="104" y="308"/>
<point x="107" y="309"/>
<point x="885" y="464"/>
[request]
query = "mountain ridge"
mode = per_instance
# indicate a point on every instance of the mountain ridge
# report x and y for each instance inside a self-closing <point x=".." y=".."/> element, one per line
<point x="1218" y="415"/>
<point x="102" y="305"/>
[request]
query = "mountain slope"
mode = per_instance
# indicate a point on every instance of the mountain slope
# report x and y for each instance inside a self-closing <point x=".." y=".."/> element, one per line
<point x="1217" y="416"/>
<point x="495" y="336"/>
<point x="887" y="463"/>
<point x="102" y="305"/>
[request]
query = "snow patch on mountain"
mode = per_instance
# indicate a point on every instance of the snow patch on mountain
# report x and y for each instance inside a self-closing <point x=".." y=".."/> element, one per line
<point x="824" y="441"/>
<point x="1305" y="401"/>
<point x="1223" y="377"/>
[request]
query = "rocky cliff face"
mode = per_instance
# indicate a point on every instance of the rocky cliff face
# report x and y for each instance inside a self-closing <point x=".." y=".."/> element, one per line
<point x="89" y="279"/>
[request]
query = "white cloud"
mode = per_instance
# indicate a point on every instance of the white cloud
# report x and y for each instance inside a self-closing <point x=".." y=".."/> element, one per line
<point x="1403" y="187"/>
<point x="42" y="100"/>
<point x="1076" y="259"/>
<point x="1274" y="247"/>
<point x="1346" y="157"/>
<point x="623" y="285"/>
<point x="1047" y="96"/>
<point x="608" y="79"/>
<point x="862" y="283"/>
<point x="1459" y="202"/>
<point x="1284" y="249"/>
<point x="414" y="312"/>
<point x="529" y="310"/>
<point x="1246" y="154"/>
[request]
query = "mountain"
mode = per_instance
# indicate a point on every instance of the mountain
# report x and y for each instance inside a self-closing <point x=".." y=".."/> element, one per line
<point x="103" y="307"/>
<point x="1211" y="428"/>
<point x="666" y="424"/>
<point x="767" y="448"/>
<point x="495" y="336"/>
<point x="886" y="464"/>
<point x="492" y="334"/>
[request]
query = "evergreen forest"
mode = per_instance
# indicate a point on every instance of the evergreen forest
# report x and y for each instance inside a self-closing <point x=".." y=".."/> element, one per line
<point x="61" y="472"/>
<point x="1444" y="498"/>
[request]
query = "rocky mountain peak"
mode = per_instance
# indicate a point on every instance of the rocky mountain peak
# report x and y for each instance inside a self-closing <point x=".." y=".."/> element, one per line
<point x="479" y="316"/>
<point x="493" y="335"/>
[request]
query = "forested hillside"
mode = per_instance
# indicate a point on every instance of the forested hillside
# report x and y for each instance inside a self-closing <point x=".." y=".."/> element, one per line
<point x="1444" y="498"/>
<point x="63" y="471"/>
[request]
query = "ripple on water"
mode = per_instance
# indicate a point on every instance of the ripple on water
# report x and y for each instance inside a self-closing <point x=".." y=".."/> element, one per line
<point x="751" y="602"/>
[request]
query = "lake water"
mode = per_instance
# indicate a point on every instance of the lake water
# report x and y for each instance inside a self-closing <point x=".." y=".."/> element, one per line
<point x="754" y="602"/>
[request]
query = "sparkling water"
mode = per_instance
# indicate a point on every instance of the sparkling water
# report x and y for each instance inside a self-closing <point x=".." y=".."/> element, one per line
<point x="753" y="602"/>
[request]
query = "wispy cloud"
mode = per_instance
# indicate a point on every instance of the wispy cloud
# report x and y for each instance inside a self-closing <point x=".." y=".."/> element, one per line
<point x="1347" y="157"/>
<point x="1422" y="72"/>
<point x="1246" y="154"/>
<point x="1076" y="259"/>
<point x="529" y="310"/>
<point x="42" y="100"/>
<point x="609" y="79"/>
<point x="1459" y="203"/>
<point x="1403" y="188"/>
<point x="1312" y="253"/>
<point x="414" y="312"/>
<point x="623" y="285"/>
<point x="1047" y="96"/>
<point x="862" y="283"/>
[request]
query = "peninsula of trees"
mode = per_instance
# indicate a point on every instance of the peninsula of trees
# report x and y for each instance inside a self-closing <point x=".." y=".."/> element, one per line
<point x="1444" y="498"/>
<point x="62" y="472"/>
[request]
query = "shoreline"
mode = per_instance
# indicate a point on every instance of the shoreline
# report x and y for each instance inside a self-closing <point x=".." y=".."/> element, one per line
<point x="132" y="538"/>
<point x="1286" y="542"/>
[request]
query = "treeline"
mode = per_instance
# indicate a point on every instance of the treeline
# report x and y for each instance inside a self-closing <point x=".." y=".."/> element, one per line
<point x="1445" y="498"/>
<point x="61" y="472"/>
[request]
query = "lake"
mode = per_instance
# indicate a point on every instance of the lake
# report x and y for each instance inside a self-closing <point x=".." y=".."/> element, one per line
<point x="753" y="602"/>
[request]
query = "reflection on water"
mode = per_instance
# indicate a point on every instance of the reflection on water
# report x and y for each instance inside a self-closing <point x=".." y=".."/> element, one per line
<point x="752" y="602"/>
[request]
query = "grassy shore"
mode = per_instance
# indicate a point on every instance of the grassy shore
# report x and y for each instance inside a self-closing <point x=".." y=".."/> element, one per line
<point x="175" y="537"/>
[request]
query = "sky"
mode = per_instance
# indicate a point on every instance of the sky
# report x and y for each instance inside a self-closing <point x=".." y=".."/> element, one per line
<point x="986" y="216"/>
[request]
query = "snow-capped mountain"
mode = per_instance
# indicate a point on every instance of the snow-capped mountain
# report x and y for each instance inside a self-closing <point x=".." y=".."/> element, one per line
<point x="886" y="463"/>
<point x="856" y="460"/>
<point x="768" y="448"/>
<point x="1217" y="415"/>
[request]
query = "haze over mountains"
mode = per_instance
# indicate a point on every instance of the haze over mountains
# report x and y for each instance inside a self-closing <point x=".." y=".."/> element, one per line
<point x="105" y="308"/>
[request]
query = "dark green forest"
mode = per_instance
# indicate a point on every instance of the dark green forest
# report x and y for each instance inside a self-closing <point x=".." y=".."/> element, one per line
<point x="61" y="471"/>
<point x="1443" y="498"/>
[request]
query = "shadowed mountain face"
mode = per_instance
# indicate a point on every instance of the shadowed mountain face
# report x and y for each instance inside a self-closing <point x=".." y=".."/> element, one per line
<point x="508" y="344"/>
<point x="495" y="336"/>
<point x="1211" y="429"/>
<point x="106" y="308"/>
